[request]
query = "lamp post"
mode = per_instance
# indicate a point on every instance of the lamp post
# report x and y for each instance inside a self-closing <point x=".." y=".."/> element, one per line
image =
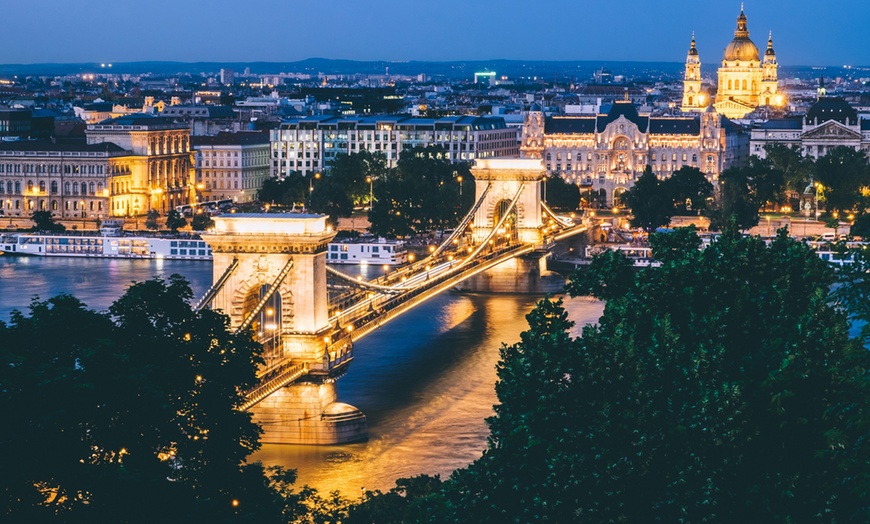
<point x="819" y="189"/>
<point x="371" y="180"/>
<point x="459" y="179"/>
<point x="311" y="183"/>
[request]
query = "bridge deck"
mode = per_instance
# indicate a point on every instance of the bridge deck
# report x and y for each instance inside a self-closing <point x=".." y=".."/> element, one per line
<point x="408" y="288"/>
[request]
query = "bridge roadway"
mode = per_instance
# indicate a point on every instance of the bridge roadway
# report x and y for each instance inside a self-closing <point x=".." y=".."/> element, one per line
<point x="408" y="287"/>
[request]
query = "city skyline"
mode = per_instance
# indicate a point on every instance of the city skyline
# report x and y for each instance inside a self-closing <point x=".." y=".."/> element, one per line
<point x="95" y="31"/>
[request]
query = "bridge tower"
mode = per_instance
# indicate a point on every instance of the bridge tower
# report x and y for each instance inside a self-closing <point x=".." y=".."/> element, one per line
<point x="270" y="276"/>
<point x="501" y="181"/>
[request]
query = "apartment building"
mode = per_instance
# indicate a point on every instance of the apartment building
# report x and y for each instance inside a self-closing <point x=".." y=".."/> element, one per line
<point x="308" y="145"/>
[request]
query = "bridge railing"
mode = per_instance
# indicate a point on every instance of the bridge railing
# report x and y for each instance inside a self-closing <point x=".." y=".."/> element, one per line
<point x="339" y="350"/>
<point x="273" y="380"/>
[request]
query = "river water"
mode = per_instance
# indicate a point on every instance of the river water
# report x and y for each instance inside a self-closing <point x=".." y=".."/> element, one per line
<point x="425" y="380"/>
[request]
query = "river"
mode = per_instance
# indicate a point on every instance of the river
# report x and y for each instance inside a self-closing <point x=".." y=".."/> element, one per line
<point x="425" y="380"/>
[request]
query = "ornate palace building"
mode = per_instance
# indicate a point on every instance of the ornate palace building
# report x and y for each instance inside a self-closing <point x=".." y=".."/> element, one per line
<point x="746" y="80"/>
<point x="69" y="179"/>
<point x="609" y="151"/>
<point x="158" y="173"/>
<point x="829" y="123"/>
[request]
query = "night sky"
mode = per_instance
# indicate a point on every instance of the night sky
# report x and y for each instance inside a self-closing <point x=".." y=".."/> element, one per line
<point x="806" y="32"/>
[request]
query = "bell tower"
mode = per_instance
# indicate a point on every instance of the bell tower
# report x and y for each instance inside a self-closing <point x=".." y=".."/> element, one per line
<point x="769" y="84"/>
<point x="693" y="98"/>
<point x="533" y="133"/>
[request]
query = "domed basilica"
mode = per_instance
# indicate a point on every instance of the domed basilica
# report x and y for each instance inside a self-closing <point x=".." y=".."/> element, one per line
<point x="746" y="79"/>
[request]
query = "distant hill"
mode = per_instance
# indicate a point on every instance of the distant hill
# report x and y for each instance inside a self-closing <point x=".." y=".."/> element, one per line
<point x="561" y="71"/>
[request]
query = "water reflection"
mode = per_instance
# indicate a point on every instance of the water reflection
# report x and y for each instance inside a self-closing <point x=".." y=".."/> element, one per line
<point x="96" y="282"/>
<point x="425" y="380"/>
<point x="426" y="388"/>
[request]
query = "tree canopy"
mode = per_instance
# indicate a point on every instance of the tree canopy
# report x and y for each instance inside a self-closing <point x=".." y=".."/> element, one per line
<point x="201" y="221"/>
<point x="722" y="386"/>
<point x="43" y="221"/>
<point x="561" y="195"/>
<point x="843" y="173"/>
<point x="649" y="201"/>
<point x="174" y="220"/>
<point x="151" y="219"/>
<point x="735" y="201"/>
<point x="421" y="193"/>
<point x="131" y="415"/>
<point x="287" y="191"/>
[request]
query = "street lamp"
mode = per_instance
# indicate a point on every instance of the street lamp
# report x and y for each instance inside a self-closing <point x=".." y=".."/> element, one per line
<point x="819" y="189"/>
<point x="459" y="179"/>
<point x="371" y="180"/>
<point x="311" y="183"/>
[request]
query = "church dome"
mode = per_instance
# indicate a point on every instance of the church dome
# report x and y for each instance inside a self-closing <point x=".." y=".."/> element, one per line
<point x="741" y="48"/>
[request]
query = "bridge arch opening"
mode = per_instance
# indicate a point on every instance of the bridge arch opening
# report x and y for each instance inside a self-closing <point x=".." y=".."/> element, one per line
<point x="266" y="325"/>
<point x="508" y="230"/>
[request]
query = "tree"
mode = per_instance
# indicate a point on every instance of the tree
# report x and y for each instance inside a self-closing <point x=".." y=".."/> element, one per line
<point x="330" y="198"/>
<point x="131" y="415"/>
<point x="720" y="387"/>
<point x="421" y="193"/>
<point x="796" y="169"/>
<point x="843" y="172"/>
<point x="201" y="222"/>
<point x="352" y="172"/>
<point x="43" y="221"/>
<point x="766" y="183"/>
<point x="650" y="203"/>
<point x="286" y="191"/>
<point x="151" y="219"/>
<point x="560" y="194"/>
<point x="734" y="201"/>
<point x="688" y="189"/>
<point x="174" y="221"/>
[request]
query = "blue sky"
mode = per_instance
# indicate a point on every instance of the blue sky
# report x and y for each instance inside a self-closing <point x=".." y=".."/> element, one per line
<point x="806" y="32"/>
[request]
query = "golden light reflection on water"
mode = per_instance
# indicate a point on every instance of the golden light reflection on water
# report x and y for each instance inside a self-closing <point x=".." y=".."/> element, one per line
<point x="426" y="382"/>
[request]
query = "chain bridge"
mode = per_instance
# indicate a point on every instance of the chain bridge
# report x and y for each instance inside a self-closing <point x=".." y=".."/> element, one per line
<point x="270" y="276"/>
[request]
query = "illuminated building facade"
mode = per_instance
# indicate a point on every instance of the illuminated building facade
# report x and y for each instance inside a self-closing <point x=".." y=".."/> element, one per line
<point x="829" y="123"/>
<point x="231" y="165"/>
<point x="309" y="145"/>
<point x="68" y="179"/>
<point x="158" y="174"/>
<point x="746" y="79"/>
<point x="608" y="152"/>
<point x="694" y="99"/>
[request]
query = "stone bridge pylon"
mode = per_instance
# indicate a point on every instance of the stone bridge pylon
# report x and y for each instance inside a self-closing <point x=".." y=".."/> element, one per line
<point x="512" y="189"/>
<point x="270" y="276"/>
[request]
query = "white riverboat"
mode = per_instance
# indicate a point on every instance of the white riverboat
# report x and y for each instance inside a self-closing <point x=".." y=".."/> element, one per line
<point x="367" y="251"/>
<point x="640" y="255"/>
<point x="97" y="246"/>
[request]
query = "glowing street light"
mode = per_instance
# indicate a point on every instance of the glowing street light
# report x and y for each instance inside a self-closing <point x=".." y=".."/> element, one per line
<point x="311" y="182"/>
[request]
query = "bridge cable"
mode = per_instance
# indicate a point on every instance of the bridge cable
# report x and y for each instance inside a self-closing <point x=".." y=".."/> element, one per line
<point x="495" y="228"/>
<point x="563" y="223"/>
<point x="213" y="290"/>
<point x="271" y="291"/>
<point x="461" y="227"/>
<point x="361" y="284"/>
